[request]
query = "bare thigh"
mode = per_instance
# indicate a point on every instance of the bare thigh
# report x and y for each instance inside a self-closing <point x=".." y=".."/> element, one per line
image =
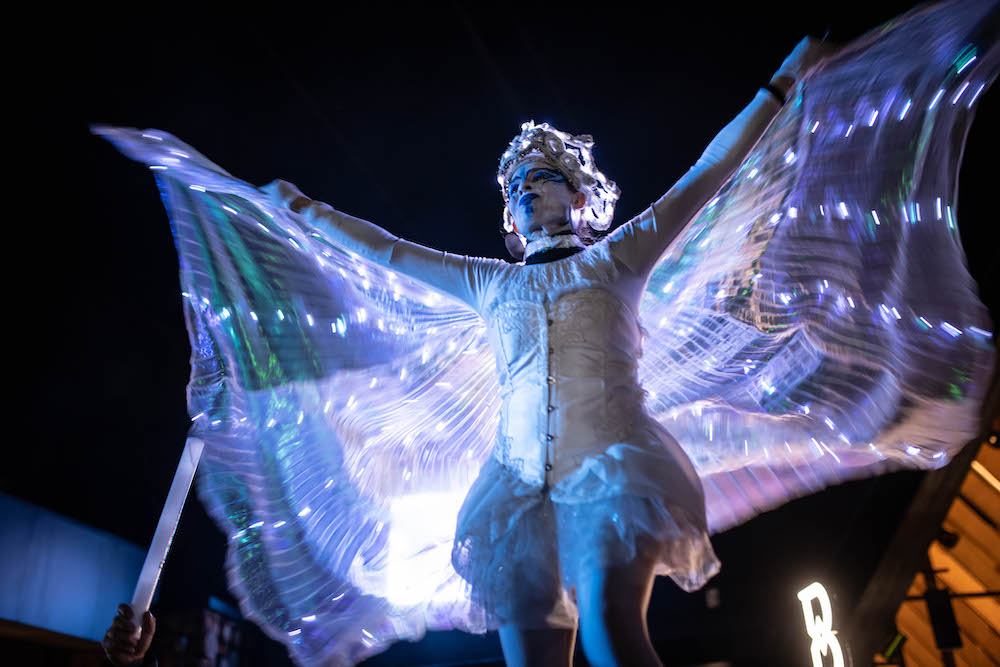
<point x="613" y="603"/>
<point x="537" y="647"/>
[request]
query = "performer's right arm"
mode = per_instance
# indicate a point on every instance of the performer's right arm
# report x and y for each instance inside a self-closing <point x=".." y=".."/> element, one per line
<point x="463" y="277"/>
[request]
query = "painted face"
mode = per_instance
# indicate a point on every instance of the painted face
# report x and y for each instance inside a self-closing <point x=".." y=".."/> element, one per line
<point x="541" y="201"/>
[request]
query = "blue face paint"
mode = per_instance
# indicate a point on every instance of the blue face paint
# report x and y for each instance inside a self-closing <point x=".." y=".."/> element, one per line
<point x="538" y="176"/>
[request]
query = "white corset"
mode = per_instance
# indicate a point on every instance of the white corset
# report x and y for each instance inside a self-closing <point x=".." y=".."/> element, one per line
<point x="567" y="346"/>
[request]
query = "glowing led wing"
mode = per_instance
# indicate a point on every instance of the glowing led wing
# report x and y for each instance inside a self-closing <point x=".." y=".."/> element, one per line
<point x="345" y="411"/>
<point x="815" y="321"/>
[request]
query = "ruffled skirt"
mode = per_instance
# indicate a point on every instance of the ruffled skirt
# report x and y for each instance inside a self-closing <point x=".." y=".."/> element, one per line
<point x="522" y="549"/>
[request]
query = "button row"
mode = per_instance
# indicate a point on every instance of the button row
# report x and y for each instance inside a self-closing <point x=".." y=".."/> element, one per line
<point x="551" y="380"/>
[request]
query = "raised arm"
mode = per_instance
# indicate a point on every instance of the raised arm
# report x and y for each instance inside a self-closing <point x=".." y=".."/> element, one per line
<point x="640" y="242"/>
<point x="463" y="277"/>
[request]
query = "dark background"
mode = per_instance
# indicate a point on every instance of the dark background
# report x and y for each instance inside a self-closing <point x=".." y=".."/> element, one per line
<point x="394" y="115"/>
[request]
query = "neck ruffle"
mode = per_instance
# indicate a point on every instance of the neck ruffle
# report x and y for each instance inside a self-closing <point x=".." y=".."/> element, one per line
<point x="542" y="243"/>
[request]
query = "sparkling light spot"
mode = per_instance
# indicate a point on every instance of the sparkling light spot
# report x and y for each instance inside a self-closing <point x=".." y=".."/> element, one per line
<point x="872" y="117"/>
<point x="875" y="215"/>
<point x="937" y="97"/>
<point x="309" y="619"/>
<point x="305" y="512"/>
<point x="906" y="108"/>
<point x="955" y="333"/>
<point x="967" y="63"/>
<point x="961" y="90"/>
<point x="978" y="90"/>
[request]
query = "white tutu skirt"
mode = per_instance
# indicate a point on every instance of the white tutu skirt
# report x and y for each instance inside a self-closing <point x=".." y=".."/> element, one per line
<point x="522" y="549"/>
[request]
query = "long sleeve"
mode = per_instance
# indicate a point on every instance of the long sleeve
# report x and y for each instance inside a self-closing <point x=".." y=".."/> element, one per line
<point x="640" y="242"/>
<point x="463" y="277"/>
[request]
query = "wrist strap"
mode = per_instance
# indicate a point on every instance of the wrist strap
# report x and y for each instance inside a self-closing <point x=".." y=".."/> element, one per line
<point x="774" y="91"/>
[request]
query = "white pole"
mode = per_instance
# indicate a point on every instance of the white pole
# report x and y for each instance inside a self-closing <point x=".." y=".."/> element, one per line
<point x="164" y="535"/>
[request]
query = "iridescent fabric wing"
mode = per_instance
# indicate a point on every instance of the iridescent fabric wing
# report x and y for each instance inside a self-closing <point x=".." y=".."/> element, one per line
<point x="815" y="321"/>
<point x="345" y="411"/>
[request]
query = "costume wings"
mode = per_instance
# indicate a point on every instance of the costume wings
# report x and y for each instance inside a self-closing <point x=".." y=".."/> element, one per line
<point x="814" y="322"/>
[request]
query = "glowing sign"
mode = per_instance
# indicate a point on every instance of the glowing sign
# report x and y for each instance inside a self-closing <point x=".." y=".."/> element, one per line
<point x="820" y="628"/>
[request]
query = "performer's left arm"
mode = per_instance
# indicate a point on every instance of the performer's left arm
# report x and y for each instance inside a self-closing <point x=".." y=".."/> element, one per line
<point x="640" y="242"/>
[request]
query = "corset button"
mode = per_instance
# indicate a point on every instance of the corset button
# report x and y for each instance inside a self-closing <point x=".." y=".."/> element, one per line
<point x="549" y="438"/>
<point x="548" y="466"/>
<point x="551" y="408"/>
<point x="551" y="322"/>
<point x="551" y="380"/>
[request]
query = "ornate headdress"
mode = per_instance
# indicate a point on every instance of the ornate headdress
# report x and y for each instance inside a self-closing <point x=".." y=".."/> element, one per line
<point x="573" y="156"/>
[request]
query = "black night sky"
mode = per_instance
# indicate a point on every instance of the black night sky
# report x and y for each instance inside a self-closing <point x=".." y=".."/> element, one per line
<point x="396" y="115"/>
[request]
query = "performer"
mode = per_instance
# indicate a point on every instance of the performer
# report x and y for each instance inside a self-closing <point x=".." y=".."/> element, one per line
<point x="567" y="343"/>
<point x="742" y="342"/>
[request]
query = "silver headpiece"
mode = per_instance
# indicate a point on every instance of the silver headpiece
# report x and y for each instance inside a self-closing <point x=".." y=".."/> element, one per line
<point x="573" y="156"/>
